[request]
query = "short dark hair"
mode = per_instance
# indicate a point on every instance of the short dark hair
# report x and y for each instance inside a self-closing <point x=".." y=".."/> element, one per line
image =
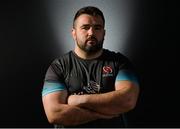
<point x="90" y="10"/>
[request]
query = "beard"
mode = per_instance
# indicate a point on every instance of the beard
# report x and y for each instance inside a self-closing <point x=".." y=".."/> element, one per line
<point x="91" y="48"/>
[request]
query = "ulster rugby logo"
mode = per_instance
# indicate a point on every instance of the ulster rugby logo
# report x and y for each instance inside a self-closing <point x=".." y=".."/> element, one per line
<point x="107" y="71"/>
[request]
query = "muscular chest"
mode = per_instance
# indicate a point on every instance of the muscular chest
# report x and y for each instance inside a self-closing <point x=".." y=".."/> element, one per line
<point x="91" y="77"/>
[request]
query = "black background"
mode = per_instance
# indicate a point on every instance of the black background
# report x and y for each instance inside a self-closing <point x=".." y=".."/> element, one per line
<point x="27" y="47"/>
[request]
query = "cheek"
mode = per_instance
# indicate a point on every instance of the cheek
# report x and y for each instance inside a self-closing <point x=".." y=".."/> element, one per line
<point x="81" y="36"/>
<point x="100" y="36"/>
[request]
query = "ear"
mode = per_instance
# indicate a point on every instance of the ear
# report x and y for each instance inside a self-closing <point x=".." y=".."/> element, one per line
<point x="73" y="33"/>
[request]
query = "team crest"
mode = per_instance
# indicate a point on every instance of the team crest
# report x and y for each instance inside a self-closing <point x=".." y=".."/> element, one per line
<point x="107" y="71"/>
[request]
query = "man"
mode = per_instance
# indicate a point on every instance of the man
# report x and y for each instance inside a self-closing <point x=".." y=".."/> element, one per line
<point x="89" y="86"/>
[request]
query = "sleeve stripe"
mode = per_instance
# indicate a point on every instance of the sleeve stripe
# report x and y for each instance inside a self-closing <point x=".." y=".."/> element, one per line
<point x="50" y="87"/>
<point x="127" y="75"/>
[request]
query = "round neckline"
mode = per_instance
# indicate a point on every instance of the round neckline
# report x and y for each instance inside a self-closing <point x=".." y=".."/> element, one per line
<point x="72" y="51"/>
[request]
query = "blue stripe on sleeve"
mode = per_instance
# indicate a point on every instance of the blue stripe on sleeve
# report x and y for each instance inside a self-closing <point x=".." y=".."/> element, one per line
<point x="50" y="87"/>
<point x="127" y="75"/>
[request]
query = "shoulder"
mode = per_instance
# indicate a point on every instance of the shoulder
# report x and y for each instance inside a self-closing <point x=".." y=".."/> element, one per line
<point x="61" y="62"/>
<point x="63" y="58"/>
<point x="112" y="55"/>
<point x="117" y="58"/>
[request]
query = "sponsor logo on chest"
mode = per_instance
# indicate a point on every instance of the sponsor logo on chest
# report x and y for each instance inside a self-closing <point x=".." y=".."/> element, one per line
<point x="107" y="71"/>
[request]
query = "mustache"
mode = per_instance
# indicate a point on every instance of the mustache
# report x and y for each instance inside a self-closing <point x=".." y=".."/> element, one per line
<point x="92" y="38"/>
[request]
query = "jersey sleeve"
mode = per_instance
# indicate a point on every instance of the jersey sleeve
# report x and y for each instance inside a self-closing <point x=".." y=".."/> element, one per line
<point x="54" y="79"/>
<point x="126" y="71"/>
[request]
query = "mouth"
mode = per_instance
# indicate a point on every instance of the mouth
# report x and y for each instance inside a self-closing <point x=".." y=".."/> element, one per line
<point x="91" y="41"/>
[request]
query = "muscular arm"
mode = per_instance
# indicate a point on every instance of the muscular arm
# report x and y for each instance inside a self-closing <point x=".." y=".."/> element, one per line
<point x="119" y="101"/>
<point x="58" y="112"/>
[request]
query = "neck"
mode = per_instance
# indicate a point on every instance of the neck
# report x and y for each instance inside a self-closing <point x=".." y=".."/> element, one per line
<point x="85" y="55"/>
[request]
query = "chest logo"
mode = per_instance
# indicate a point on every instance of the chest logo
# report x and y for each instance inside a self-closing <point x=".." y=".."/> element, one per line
<point x="107" y="71"/>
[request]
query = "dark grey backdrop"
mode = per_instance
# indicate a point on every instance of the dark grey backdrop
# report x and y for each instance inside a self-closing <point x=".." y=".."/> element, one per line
<point x="34" y="32"/>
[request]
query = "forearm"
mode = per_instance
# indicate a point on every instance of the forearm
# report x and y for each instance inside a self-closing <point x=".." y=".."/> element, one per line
<point x="102" y="103"/>
<point x="72" y="115"/>
<point x="115" y="102"/>
<point x="58" y="112"/>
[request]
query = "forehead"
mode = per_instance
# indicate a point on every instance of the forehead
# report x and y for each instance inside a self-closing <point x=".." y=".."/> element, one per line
<point x="88" y="19"/>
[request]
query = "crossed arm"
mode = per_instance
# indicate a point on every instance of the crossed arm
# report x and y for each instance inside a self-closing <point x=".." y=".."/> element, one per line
<point x="63" y="109"/>
<point x="116" y="102"/>
<point x="58" y="112"/>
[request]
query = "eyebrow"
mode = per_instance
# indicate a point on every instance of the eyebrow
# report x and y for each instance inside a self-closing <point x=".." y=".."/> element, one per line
<point x="95" y="25"/>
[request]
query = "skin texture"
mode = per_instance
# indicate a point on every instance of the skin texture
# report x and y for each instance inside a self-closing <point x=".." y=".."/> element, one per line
<point x="88" y="34"/>
<point x="119" y="101"/>
<point x="88" y="27"/>
<point x="59" y="112"/>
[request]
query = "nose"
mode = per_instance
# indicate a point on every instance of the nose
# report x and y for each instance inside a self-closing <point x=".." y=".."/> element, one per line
<point x="91" y="31"/>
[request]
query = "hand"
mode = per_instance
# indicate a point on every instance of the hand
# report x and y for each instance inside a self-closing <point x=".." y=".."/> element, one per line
<point x="71" y="100"/>
<point x="75" y="100"/>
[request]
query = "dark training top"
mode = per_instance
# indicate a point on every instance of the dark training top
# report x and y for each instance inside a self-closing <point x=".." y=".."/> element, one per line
<point x="80" y="76"/>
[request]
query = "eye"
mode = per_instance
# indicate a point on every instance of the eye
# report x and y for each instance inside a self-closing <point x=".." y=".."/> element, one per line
<point x="98" y="27"/>
<point x="85" y="27"/>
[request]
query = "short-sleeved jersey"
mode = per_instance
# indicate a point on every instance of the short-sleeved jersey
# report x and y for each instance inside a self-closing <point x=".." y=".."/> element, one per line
<point x="80" y="76"/>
